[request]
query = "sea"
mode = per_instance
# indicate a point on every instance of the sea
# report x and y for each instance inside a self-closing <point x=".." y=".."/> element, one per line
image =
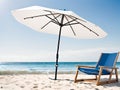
<point x="43" y="67"/>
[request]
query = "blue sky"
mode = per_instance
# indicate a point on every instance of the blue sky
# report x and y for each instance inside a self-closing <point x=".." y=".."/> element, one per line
<point x="20" y="43"/>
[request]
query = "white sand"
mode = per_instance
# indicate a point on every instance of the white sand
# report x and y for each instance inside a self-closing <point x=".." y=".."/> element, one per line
<point x="44" y="82"/>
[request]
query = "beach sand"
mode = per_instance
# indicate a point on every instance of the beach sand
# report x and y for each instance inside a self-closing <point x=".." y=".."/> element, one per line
<point x="45" y="82"/>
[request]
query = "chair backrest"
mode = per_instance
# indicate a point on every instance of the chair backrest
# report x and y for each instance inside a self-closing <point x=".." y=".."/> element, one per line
<point x="107" y="59"/>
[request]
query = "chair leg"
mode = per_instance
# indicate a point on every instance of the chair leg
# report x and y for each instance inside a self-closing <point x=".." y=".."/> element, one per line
<point x="109" y="80"/>
<point x="110" y="75"/>
<point x="116" y="74"/>
<point x="75" y="80"/>
<point x="99" y="76"/>
<point x="95" y="77"/>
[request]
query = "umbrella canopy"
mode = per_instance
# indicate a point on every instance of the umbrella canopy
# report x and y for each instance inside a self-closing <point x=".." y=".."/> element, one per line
<point x="65" y="23"/>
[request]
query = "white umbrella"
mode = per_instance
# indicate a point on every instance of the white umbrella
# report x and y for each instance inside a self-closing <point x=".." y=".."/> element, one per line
<point x="65" y="23"/>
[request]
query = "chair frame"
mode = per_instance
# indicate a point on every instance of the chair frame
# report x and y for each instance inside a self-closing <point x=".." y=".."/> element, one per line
<point x="97" y="78"/>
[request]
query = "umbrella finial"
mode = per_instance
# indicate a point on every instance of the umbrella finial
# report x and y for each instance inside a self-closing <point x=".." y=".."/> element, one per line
<point x="63" y="9"/>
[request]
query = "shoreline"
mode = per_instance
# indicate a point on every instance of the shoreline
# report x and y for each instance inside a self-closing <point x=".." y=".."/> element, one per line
<point x="10" y="72"/>
<point x="15" y="72"/>
<point x="22" y="72"/>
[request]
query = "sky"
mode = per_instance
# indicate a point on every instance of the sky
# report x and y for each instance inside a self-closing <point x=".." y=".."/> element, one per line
<point x="20" y="43"/>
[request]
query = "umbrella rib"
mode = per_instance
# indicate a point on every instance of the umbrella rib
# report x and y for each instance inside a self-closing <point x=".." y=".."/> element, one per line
<point x="49" y="22"/>
<point x="76" y="18"/>
<point x="88" y="28"/>
<point x="85" y="26"/>
<point x="45" y="25"/>
<point x="70" y="26"/>
<point x="54" y="16"/>
<point x="69" y="22"/>
<point x="53" y="20"/>
<point x="39" y="16"/>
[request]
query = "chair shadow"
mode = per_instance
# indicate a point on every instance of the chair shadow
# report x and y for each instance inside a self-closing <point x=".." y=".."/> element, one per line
<point x="117" y="84"/>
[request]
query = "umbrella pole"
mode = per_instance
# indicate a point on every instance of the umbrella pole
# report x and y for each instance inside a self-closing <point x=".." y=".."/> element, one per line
<point x="57" y="54"/>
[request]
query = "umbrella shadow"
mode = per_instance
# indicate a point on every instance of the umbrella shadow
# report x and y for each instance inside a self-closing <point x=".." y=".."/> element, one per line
<point x="61" y="79"/>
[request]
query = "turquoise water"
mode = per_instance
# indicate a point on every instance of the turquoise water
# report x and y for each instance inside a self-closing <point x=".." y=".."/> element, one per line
<point x="44" y="66"/>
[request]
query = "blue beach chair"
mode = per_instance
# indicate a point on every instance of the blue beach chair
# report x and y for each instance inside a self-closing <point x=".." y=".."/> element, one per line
<point x="105" y="66"/>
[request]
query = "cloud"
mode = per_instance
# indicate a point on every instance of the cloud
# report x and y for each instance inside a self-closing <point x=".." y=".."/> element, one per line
<point x="88" y="54"/>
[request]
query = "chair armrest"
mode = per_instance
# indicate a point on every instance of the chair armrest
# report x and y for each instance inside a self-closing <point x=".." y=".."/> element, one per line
<point x="107" y="67"/>
<point x="86" y="66"/>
